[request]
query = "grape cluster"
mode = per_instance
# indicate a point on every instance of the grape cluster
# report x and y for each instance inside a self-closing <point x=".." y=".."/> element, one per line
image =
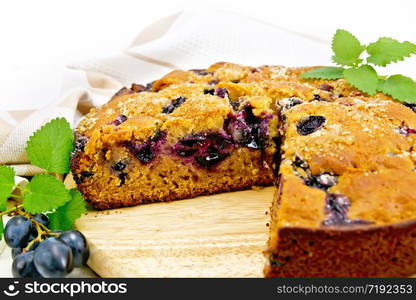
<point x="39" y="252"/>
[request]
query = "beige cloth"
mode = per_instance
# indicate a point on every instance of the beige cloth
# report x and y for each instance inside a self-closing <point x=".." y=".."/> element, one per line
<point x="190" y="39"/>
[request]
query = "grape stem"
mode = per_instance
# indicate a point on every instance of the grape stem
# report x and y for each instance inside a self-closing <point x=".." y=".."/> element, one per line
<point x="16" y="208"/>
<point x="37" y="239"/>
<point x="41" y="229"/>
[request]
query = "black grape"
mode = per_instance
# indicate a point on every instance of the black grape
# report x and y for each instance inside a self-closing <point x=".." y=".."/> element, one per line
<point x="78" y="244"/>
<point x="53" y="258"/>
<point x="17" y="231"/>
<point x="23" y="266"/>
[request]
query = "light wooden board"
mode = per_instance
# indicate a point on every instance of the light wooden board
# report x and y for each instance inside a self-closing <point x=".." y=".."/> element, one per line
<point x="221" y="235"/>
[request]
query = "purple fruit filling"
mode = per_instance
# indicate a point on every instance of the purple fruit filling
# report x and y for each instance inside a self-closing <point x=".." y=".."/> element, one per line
<point x="288" y="103"/>
<point x="209" y="148"/>
<point x="326" y="87"/>
<point x="209" y="91"/>
<point x="321" y="181"/>
<point x="80" y="142"/>
<point x="317" y="97"/>
<point x="79" y="178"/>
<point x="220" y="92"/>
<point x="213" y="82"/>
<point x="201" y="72"/>
<point x="206" y="149"/>
<point x="122" y="176"/>
<point x="406" y="131"/>
<point x="173" y="105"/>
<point x="120" y="166"/>
<point x="146" y="151"/>
<point x="310" y="124"/>
<point x="336" y="208"/>
<point x="300" y="163"/>
<point x="117" y="121"/>
<point x="248" y="130"/>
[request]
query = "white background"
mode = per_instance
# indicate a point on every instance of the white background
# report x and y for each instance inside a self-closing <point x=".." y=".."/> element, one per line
<point x="38" y="38"/>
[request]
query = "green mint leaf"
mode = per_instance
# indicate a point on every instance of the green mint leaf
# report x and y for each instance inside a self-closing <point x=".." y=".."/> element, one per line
<point x="44" y="193"/>
<point x="50" y="147"/>
<point x="1" y="228"/>
<point x="364" y="78"/>
<point x="388" y="50"/>
<point x="64" y="217"/>
<point x="6" y="185"/>
<point x="399" y="87"/>
<point x="347" y="48"/>
<point x="324" y="73"/>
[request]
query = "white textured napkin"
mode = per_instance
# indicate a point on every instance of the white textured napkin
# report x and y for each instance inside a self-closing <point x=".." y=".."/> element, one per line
<point x="187" y="40"/>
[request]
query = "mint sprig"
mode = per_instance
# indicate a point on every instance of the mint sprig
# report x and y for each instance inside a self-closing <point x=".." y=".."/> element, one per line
<point x="325" y="73"/>
<point x="6" y="185"/>
<point x="364" y="78"/>
<point x="44" y="193"/>
<point x="49" y="148"/>
<point x="1" y="228"/>
<point x="346" y="56"/>
<point x="64" y="217"/>
<point x="387" y="50"/>
<point x="359" y="71"/>
<point x="399" y="86"/>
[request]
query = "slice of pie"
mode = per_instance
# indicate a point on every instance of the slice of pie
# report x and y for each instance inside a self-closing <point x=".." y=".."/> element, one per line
<point x="344" y="204"/>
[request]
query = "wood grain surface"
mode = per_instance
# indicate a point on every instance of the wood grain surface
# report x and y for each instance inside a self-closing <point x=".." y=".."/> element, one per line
<point x="221" y="235"/>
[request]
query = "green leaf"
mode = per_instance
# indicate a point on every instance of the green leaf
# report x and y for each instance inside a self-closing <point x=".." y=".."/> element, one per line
<point x="324" y="73"/>
<point x="64" y="217"/>
<point x="44" y="193"/>
<point x="1" y="228"/>
<point x="388" y="50"/>
<point x="399" y="87"/>
<point x="50" y="147"/>
<point x="364" y="78"/>
<point x="6" y="185"/>
<point x="347" y="48"/>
